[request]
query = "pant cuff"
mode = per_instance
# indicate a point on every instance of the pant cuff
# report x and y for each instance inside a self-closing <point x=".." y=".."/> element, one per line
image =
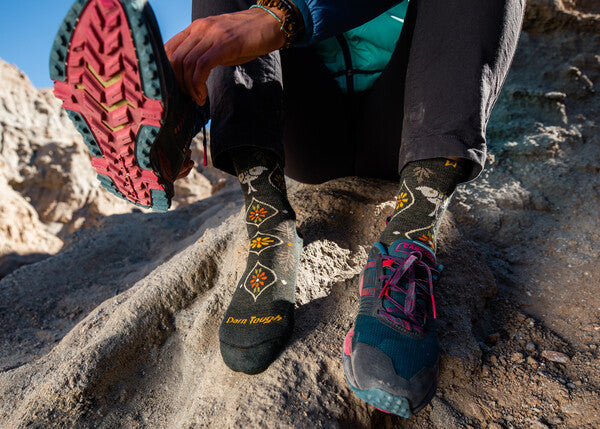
<point x="222" y="145"/>
<point x="442" y="146"/>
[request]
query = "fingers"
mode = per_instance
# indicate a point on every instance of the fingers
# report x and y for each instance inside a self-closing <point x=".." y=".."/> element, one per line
<point x="175" y="41"/>
<point x="228" y="39"/>
<point x="181" y="59"/>
<point x="190" y="63"/>
<point x="172" y="48"/>
<point x="203" y="67"/>
<point x="180" y="46"/>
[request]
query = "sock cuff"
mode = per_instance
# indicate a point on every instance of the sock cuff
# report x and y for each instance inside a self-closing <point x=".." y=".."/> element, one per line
<point x="244" y="158"/>
<point x="446" y="173"/>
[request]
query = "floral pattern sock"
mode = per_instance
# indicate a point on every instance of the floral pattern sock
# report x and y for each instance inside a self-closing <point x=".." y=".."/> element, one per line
<point x="425" y="190"/>
<point x="259" y="319"/>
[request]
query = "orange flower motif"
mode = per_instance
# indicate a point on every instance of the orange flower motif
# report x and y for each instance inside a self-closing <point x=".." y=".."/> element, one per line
<point x="259" y="242"/>
<point x="258" y="279"/>
<point x="402" y="199"/>
<point x="426" y="238"/>
<point x="257" y="213"/>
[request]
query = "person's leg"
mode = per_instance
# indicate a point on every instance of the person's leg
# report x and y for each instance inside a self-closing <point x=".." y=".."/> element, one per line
<point x="459" y="55"/>
<point x="447" y="69"/>
<point x="246" y="140"/>
<point x="459" y="58"/>
<point x="286" y="103"/>
<point x="245" y="100"/>
<point x="260" y="317"/>
<point x="247" y="112"/>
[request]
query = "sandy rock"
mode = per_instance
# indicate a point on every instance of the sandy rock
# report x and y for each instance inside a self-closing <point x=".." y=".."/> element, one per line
<point x="554" y="356"/>
<point x="43" y="157"/>
<point x="152" y="347"/>
<point x="21" y="231"/>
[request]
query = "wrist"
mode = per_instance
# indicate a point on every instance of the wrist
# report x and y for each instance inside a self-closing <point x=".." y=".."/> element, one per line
<point x="269" y="27"/>
<point x="287" y="14"/>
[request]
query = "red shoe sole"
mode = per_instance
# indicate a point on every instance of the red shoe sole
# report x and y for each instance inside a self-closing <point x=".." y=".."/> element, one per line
<point x="104" y="86"/>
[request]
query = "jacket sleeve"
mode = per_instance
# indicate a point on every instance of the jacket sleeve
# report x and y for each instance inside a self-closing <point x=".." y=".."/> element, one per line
<point x="326" y="18"/>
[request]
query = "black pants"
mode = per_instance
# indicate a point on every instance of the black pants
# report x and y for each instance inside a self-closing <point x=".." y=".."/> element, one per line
<point x="433" y="99"/>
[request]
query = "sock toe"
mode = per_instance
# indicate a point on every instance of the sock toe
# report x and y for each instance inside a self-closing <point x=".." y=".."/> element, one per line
<point x="251" y="360"/>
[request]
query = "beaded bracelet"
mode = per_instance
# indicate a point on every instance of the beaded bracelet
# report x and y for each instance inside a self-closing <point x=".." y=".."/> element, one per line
<point x="266" y="9"/>
<point x="291" y="24"/>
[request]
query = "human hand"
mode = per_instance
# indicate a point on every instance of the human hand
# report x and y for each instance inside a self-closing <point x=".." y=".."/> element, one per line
<point x="229" y="39"/>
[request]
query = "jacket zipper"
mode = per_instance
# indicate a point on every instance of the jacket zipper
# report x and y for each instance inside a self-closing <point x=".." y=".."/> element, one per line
<point x="348" y="61"/>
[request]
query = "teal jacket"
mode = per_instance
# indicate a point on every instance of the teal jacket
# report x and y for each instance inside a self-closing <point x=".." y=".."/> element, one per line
<point x="357" y="57"/>
<point x="355" y="38"/>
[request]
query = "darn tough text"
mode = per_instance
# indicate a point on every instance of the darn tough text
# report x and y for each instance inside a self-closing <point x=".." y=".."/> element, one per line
<point x="253" y="320"/>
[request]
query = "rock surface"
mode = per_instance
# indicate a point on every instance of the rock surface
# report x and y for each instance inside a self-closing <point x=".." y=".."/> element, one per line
<point x="119" y="328"/>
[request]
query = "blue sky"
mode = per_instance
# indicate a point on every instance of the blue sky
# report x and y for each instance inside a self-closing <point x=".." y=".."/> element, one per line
<point x="28" y="27"/>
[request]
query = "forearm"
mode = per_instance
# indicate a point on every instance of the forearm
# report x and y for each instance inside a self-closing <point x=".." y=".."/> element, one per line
<point x="222" y="40"/>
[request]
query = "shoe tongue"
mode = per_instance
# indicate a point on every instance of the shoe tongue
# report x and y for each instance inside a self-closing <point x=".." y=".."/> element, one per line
<point x="401" y="249"/>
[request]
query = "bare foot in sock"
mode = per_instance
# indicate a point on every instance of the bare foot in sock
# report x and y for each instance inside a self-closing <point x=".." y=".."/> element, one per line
<point x="259" y="319"/>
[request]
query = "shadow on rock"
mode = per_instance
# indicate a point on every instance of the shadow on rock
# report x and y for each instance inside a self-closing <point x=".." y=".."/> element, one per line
<point x="13" y="261"/>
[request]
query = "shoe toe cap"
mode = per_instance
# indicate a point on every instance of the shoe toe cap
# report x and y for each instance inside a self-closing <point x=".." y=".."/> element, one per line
<point x="373" y="369"/>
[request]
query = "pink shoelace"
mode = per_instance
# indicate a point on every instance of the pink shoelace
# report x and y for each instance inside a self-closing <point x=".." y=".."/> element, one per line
<point x="403" y="279"/>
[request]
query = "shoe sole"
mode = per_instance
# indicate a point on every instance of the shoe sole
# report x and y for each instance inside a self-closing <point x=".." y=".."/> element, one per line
<point x="104" y="63"/>
<point x="380" y="399"/>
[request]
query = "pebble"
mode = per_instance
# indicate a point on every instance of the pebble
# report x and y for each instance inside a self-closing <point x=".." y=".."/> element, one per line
<point x="555" y="95"/>
<point x="530" y="347"/>
<point x="516" y="357"/>
<point x="571" y="386"/>
<point x="531" y="361"/>
<point x="554" y="356"/>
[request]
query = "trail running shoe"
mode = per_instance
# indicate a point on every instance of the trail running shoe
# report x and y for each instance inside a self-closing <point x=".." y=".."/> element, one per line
<point x="390" y="357"/>
<point x="116" y="83"/>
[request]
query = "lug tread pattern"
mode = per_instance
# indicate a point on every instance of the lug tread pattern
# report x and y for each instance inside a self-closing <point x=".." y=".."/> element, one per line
<point x="60" y="47"/>
<point x="146" y="136"/>
<point x="84" y="129"/>
<point x="109" y="68"/>
<point x="385" y="401"/>
<point x="141" y="38"/>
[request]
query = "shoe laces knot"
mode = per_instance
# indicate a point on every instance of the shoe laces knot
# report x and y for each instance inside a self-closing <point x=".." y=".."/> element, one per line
<point x="410" y="278"/>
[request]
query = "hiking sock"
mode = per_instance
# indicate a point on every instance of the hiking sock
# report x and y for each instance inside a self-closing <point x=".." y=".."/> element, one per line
<point x="259" y="319"/>
<point x="425" y="190"/>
